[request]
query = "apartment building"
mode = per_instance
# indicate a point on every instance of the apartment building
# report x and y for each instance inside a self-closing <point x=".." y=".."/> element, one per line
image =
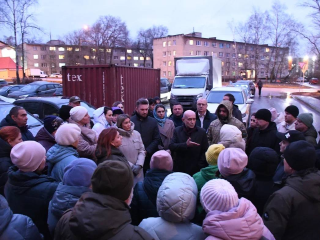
<point x="238" y="58"/>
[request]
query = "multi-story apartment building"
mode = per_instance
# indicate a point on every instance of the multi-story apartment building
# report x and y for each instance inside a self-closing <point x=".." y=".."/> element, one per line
<point x="238" y="58"/>
<point x="50" y="57"/>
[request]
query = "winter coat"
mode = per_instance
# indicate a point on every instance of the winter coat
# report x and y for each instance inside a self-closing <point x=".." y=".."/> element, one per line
<point x="166" y="134"/>
<point x="311" y="135"/>
<point x="63" y="199"/>
<point x="175" y="210"/>
<point x="240" y="222"/>
<point x="144" y="202"/>
<point x="176" y="120"/>
<point x="260" y="84"/>
<point x="29" y="193"/>
<point x="213" y="133"/>
<point x="25" y="133"/>
<point x="293" y="212"/>
<point x="45" y="139"/>
<point x="97" y="216"/>
<point x="58" y="157"/>
<point x="16" y="226"/>
<point x="116" y="154"/>
<point x="188" y="159"/>
<point x="87" y="141"/>
<point x="205" y="175"/>
<point x="133" y="149"/>
<point x="5" y="163"/>
<point x="283" y="127"/>
<point x="236" y="112"/>
<point x="100" y="121"/>
<point x="208" y="118"/>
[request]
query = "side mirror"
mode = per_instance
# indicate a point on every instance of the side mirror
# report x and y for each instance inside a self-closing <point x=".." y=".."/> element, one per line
<point x="209" y="87"/>
<point x="250" y="101"/>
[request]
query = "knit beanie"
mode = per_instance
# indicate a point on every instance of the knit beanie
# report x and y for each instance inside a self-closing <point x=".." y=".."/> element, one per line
<point x="78" y="113"/>
<point x="79" y="172"/>
<point x="113" y="178"/>
<point x="263" y="161"/>
<point x="230" y="133"/>
<point x="213" y="152"/>
<point x="28" y="155"/>
<point x="306" y="118"/>
<point x="264" y="114"/>
<point x="293" y="110"/>
<point x="64" y="112"/>
<point x="116" y="110"/>
<point x="67" y="134"/>
<point x="52" y="123"/>
<point x="300" y="155"/>
<point x="219" y="195"/>
<point x="232" y="161"/>
<point x="161" y="160"/>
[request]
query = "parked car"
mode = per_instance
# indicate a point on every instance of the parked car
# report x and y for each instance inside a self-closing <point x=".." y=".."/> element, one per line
<point x="58" y="92"/>
<point x="165" y="89"/>
<point x="244" y="103"/>
<point x="4" y="91"/>
<point x="39" y="88"/>
<point x="33" y="123"/>
<point x="300" y="79"/>
<point x="48" y="106"/>
<point x="56" y="75"/>
<point x="3" y="83"/>
<point x="314" y="81"/>
<point x="250" y="85"/>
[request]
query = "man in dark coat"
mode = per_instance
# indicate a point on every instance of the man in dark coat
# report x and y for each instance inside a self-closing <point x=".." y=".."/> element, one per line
<point x="304" y="124"/>
<point x="148" y="128"/>
<point x="293" y="212"/>
<point x="188" y="145"/>
<point x="177" y="113"/>
<point x="235" y="109"/>
<point x="203" y="116"/>
<point x="17" y="117"/>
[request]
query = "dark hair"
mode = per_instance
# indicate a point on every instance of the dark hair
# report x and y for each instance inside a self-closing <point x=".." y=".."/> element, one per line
<point x="231" y="97"/>
<point x="9" y="133"/>
<point x="121" y="119"/>
<point x="253" y="114"/>
<point x="160" y="106"/>
<point x="156" y="98"/>
<point x="151" y="101"/>
<point x="106" y="109"/>
<point x="105" y="139"/>
<point x="115" y="104"/>
<point x="142" y="101"/>
<point x="176" y="103"/>
<point x="15" y="111"/>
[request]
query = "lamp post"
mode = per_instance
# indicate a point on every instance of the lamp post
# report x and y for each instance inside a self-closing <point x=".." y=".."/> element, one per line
<point x="313" y="63"/>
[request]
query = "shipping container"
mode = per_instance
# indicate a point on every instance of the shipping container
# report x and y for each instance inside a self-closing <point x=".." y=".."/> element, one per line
<point x="102" y="85"/>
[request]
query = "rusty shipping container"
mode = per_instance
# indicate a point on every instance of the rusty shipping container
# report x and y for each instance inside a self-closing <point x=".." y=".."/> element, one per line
<point x="102" y="85"/>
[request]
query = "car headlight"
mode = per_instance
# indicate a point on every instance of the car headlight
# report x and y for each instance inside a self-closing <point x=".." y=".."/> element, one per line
<point x="200" y="95"/>
<point x="23" y="96"/>
<point x="172" y="96"/>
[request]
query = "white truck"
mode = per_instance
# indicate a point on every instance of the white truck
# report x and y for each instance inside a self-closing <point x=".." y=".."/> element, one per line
<point x="33" y="72"/>
<point x="194" y="78"/>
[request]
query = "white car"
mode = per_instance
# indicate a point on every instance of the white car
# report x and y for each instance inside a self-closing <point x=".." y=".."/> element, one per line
<point x="56" y="75"/>
<point x="300" y="79"/>
<point x="216" y="94"/>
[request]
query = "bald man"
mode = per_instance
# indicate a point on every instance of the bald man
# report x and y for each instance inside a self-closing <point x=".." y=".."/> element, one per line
<point x="188" y="145"/>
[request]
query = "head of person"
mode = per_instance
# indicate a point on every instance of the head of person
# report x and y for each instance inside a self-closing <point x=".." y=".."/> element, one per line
<point x="113" y="178"/>
<point x="80" y="115"/>
<point x="68" y="135"/>
<point x="119" y="105"/>
<point x="19" y="116"/>
<point x="202" y="105"/>
<point x="107" y="111"/>
<point x="290" y="114"/>
<point x="232" y="161"/>
<point x="124" y="122"/>
<point x="74" y="101"/>
<point x="304" y="122"/>
<point x="231" y="137"/>
<point x="142" y="107"/>
<point x="224" y="110"/>
<point x="289" y="137"/>
<point x="161" y="160"/>
<point x="299" y="156"/>
<point x="115" y="113"/>
<point x="79" y="172"/>
<point x="11" y="135"/>
<point x="189" y="119"/>
<point x="157" y="100"/>
<point x="263" y="118"/>
<point x="177" y="198"/>
<point x="213" y="152"/>
<point x="51" y="123"/>
<point x="108" y="138"/>
<point x="64" y="112"/>
<point x="152" y="104"/>
<point x="229" y="97"/>
<point x="160" y="111"/>
<point x="177" y="109"/>
<point x="29" y="156"/>
<point x="253" y="123"/>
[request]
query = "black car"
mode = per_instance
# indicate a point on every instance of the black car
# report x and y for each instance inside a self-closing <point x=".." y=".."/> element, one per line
<point x="4" y="91"/>
<point x="3" y="83"/>
<point x="36" y="89"/>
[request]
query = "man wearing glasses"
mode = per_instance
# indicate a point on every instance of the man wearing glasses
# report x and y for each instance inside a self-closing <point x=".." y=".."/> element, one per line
<point x="203" y="116"/>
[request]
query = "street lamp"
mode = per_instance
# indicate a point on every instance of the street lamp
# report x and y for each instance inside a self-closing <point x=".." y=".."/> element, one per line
<point x="313" y="63"/>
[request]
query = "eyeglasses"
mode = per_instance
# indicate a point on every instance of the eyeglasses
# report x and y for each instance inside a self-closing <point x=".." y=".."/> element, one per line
<point x="201" y="104"/>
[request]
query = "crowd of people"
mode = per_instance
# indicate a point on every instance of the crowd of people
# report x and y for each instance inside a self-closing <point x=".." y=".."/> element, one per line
<point x="192" y="175"/>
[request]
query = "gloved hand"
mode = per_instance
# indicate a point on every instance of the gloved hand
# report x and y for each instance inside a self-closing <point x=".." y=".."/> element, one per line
<point x="136" y="169"/>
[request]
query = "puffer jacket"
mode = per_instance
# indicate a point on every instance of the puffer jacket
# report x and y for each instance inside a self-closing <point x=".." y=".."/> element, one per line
<point x="100" y="121"/>
<point x="58" y="157"/>
<point x="311" y="135"/>
<point x="213" y="133"/>
<point x="239" y="223"/>
<point x="63" y="199"/>
<point x="176" y="205"/>
<point x="45" y="138"/>
<point x="97" y="216"/>
<point x="16" y="226"/>
<point x="5" y="163"/>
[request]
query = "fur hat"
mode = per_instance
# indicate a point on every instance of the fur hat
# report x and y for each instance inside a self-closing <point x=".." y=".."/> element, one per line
<point x="306" y="118"/>
<point x="78" y="113"/>
<point x="67" y="134"/>
<point x="263" y="114"/>
<point x="161" y="160"/>
<point x="232" y="161"/>
<point x="293" y="110"/>
<point x="213" y="152"/>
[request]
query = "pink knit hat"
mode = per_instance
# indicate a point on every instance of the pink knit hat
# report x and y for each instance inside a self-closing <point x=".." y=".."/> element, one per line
<point x="161" y="160"/>
<point x="27" y="155"/>
<point x="232" y="161"/>
<point x="218" y="194"/>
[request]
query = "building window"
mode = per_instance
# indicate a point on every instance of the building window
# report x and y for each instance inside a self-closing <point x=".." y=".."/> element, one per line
<point x="220" y="54"/>
<point x="141" y="58"/>
<point x="148" y="58"/>
<point x="190" y="42"/>
<point x="240" y="64"/>
<point x="148" y="64"/>
<point x="252" y="56"/>
<point x="86" y="57"/>
<point x="164" y="73"/>
<point x="61" y="64"/>
<point x="164" y="54"/>
<point x="141" y="51"/>
<point x="221" y="45"/>
<point x="61" y="49"/>
<point x="169" y="63"/>
<point x="174" y="42"/>
<point x="233" y="55"/>
<point x="214" y="44"/>
<point x="129" y="51"/>
<point x="36" y="64"/>
<point x="198" y="53"/>
<point x="214" y="54"/>
<point x="61" y="56"/>
<point x="262" y="73"/>
<point x="169" y="53"/>
<point x="198" y="43"/>
<point x="35" y="56"/>
<point x="240" y="46"/>
<point x="122" y="50"/>
<point x="164" y="64"/>
<point x="136" y="64"/>
<point x="52" y="48"/>
<point x="141" y="65"/>
<point x="108" y="50"/>
<point x="234" y="64"/>
<point x="262" y="57"/>
<point x="227" y="55"/>
<point x="44" y="65"/>
<point x="43" y="48"/>
<point x="174" y="53"/>
<point x="35" y="48"/>
<point x="205" y="44"/>
<point x="251" y="48"/>
<point x="169" y="73"/>
<point x="69" y="49"/>
<point x="53" y="65"/>
<point x="205" y="53"/>
<point x="43" y="56"/>
<point x="239" y="55"/>
<point x="222" y="64"/>
<point x="164" y="44"/>
<point x="115" y="57"/>
<point x="129" y="57"/>
<point x="77" y="49"/>
<point x="122" y="58"/>
<point x="135" y="58"/>
<point x="228" y="45"/>
<point x="191" y="53"/>
<point x="246" y="56"/>
<point x="52" y="56"/>
<point x="169" y="43"/>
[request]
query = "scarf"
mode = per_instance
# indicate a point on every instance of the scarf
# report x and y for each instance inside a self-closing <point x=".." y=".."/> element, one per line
<point x="161" y="121"/>
<point x="189" y="131"/>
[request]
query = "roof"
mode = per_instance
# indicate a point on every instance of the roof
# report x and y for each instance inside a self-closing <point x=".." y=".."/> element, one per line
<point x="227" y="89"/>
<point x="7" y="63"/>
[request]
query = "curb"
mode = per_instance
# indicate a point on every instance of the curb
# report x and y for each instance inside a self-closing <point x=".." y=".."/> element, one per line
<point x="309" y="101"/>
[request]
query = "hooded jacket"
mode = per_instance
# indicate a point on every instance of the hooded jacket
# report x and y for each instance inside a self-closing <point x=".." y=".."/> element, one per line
<point x="176" y="205"/>
<point x="293" y="212"/>
<point x="45" y="139"/>
<point x="100" y="217"/>
<point x="16" y="226"/>
<point x="5" y="163"/>
<point x="25" y="133"/>
<point x="240" y="222"/>
<point x="213" y="133"/>
<point x="58" y="157"/>
<point x="100" y="121"/>
<point x="311" y="135"/>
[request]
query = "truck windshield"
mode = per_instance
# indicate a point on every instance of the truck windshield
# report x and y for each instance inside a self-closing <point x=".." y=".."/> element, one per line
<point x="217" y="96"/>
<point x="189" y="82"/>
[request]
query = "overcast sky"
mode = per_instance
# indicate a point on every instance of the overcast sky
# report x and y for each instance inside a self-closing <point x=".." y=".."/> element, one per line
<point x="211" y="17"/>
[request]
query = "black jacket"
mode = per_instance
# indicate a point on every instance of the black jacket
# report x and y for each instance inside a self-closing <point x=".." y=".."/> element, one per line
<point x="97" y="216"/>
<point x="25" y="133"/>
<point x="45" y="139"/>
<point x="236" y="112"/>
<point x="208" y="118"/>
<point x="176" y="120"/>
<point x="5" y="163"/>
<point x="144" y="202"/>
<point x="116" y="154"/>
<point x="189" y="159"/>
